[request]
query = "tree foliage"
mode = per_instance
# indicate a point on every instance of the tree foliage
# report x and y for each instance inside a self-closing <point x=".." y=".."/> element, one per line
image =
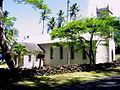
<point x="74" y="9"/>
<point x="10" y="33"/>
<point x="60" y="19"/>
<point x="35" y="3"/>
<point x="20" y="49"/>
<point x="44" y="15"/>
<point x="51" y="24"/>
<point x="97" y="30"/>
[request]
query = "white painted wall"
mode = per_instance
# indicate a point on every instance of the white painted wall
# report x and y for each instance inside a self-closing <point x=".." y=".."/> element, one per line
<point x="111" y="49"/>
<point x="102" y="54"/>
<point x="32" y="63"/>
<point x="66" y="58"/>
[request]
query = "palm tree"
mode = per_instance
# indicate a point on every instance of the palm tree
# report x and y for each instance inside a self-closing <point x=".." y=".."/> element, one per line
<point x="60" y="19"/>
<point x="44" y="16"/>
<point x="74" y="9"/>
<point x="51" y="24"/>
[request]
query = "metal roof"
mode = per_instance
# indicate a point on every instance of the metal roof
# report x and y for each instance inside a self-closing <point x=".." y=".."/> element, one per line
<point x="31" y="47"/>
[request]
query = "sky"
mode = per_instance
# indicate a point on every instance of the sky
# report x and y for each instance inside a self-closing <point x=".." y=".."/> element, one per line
<point x="28" y="17"/>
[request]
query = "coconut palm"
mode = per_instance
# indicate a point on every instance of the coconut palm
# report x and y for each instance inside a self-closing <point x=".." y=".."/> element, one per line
<point x="60" y="19"/>
<point x="44" y="15"/>
<point x="51" y="24"/>
<point x="74" y="9"/>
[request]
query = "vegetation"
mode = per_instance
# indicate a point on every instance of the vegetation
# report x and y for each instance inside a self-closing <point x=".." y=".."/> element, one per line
<point x="39" y="4"/>
<point x="24" y="80"/>
<point x="8" y="31"/>
<point x="102" y="28"/>
<point x="44" y="16"/>
<point x="19" y="49"/>
<point x="60" y="19"/>
<point x="51" y="24"/>
<point x="7" y="38"/>
<point x="74" y="9"/>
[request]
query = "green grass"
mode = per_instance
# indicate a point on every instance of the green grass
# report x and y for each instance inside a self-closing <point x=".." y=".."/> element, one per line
<point x="68" y="78"/>
<point x="3" y="65"/>
<point x="117" y="56"/>
<point x="53" y="81"/>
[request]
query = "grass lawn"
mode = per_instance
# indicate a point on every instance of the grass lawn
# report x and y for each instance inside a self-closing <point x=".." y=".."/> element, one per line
<point x="3" y="65"/>
<point x="53" y="81"/>
<point x="117" y="56"/>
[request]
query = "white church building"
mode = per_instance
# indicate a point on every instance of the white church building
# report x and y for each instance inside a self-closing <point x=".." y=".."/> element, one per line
<point x="61" y="56"/>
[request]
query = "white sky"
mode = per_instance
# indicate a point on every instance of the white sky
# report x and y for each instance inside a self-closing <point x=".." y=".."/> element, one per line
<point x="28" y="18"/>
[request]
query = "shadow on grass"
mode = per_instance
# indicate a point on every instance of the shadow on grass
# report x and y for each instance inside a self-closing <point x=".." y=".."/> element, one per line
<point x="17" y="80"/>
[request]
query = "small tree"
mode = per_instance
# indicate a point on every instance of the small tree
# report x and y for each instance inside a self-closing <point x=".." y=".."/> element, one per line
<point x="20" y="50"/>
<point x="74" y="33"/>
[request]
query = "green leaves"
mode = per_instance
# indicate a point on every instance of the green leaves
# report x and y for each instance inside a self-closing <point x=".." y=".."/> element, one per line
<point x="20" y="49"/>
<point x="8" y="21"/>
<point x="88" y="33"/>
<point x="39" y="4"/>
<point x="9" y="31"/>
<point x="74" y="9"/>
<point x="60" y="19"/>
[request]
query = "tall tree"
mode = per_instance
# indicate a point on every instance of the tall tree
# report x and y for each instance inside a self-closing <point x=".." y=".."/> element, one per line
<point x="51" y="24"/>
<point x="8" y="24"/>
<point x="10" y="33"/>
<point x="44" y="15"/>
<point x="74" y="33"/>
<point x="60" y="19"/>
<point x="74" y="9"/>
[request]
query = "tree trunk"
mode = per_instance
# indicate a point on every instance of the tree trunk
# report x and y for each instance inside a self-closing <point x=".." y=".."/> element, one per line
<point x="91" y="52"/>
<point x="1" y="3"/>
<point x="5" y="50"/>
<point x="43" y="28"/>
